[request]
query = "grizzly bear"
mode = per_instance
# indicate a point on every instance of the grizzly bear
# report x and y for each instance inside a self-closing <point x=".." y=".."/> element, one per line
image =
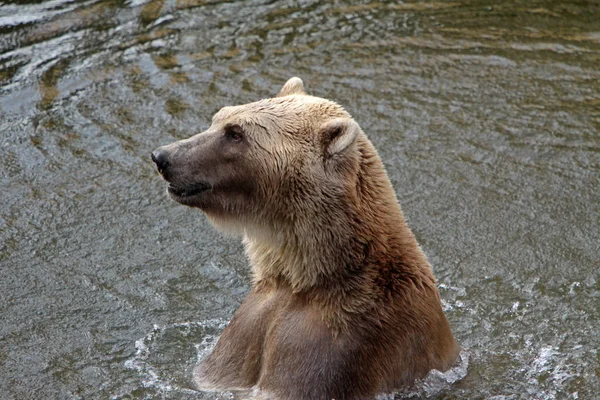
<point x="343" y="303"/>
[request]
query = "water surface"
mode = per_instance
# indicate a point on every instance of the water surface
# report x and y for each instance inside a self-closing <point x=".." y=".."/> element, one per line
<point x="486" y="115"/>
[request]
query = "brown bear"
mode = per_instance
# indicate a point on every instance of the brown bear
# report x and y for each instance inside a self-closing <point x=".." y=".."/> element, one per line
<point x="343" y="304"/>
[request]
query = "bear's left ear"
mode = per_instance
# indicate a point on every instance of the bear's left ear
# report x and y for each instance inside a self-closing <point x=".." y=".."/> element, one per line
<point x="292" y="86"/>
<point x="337" y="135"/>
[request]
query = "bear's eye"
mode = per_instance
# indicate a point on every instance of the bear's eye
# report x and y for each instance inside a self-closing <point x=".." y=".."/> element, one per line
<point x="235" y="133"/>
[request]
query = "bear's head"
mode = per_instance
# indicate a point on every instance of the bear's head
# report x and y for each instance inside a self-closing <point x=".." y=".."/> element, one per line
<point x="267" y="162"/>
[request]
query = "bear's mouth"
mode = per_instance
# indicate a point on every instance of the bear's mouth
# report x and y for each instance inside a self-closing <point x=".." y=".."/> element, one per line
<point x="189" y="190"/>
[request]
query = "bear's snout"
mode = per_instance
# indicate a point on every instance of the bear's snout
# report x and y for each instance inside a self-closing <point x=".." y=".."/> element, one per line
<point x="161" y="158"/>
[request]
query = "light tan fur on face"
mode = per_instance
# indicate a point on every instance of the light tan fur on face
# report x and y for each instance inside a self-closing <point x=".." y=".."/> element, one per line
<point x="302" y="229"/>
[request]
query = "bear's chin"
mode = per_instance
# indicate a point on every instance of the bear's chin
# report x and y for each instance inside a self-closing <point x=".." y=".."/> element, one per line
<point x="208" y="203"/>
<point x="192" y="195"/>
<point x="188" y="190"/>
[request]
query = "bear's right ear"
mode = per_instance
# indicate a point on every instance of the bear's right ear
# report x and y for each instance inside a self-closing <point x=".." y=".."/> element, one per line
<point x="337" y="135"/>
<point x="292" y="86"/>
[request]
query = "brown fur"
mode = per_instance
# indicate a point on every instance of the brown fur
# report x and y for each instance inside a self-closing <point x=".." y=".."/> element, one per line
<point x="344" y="303"/>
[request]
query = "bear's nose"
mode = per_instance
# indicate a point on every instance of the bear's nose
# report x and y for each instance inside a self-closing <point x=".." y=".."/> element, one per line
<point x="160" y="158"/>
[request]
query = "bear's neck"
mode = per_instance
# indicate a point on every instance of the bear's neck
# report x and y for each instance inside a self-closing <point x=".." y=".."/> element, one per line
<point x="359" y="252"/>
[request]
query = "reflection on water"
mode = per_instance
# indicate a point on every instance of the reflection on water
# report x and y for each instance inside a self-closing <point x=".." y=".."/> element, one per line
<point x="486" y="115"/>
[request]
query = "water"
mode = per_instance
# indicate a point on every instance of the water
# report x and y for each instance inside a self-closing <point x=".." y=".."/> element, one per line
<point x="486" y="115"/>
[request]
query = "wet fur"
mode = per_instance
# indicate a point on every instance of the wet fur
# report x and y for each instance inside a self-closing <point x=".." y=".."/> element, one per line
<point x="344" y="303"/>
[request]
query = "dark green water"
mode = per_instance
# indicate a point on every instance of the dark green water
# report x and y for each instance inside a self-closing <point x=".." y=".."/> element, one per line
<point x="486" y="115"/>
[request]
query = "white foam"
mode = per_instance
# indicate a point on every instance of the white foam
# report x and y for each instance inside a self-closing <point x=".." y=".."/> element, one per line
<point x="435" y="382"/>
<point x="550" y="362"/>
<point x="150" y="377"/>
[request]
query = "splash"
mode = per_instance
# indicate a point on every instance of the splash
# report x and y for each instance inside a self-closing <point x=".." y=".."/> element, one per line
<point x="550" y="365"/>
<point x="160" y="354"/>
<point x="435" y="382"/>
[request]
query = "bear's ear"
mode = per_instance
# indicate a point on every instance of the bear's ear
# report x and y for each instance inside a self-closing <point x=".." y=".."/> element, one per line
<point x="337" y="135"/>
<point x="292" y="86"/>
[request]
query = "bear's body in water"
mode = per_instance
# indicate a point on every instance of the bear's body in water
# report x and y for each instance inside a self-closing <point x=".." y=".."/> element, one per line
<point x="343" y="303"/>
